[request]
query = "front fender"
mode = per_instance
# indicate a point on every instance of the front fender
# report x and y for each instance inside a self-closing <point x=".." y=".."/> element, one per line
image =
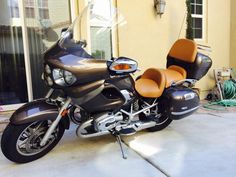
<point x="38" y="110"/>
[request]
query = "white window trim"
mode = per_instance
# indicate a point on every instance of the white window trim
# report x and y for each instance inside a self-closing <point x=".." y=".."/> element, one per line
<point x="203" y="16"/>
<point x="114" y="34"/>
<point x="43" y="7"/>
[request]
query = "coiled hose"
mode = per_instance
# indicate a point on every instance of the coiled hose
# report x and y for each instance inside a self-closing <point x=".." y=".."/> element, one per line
<point x="229" y="94"/>
<point x="229" y="89"/>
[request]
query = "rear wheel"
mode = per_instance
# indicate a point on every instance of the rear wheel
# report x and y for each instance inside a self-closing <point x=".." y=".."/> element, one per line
<point x="21" y="143"/>
<point x="162" y="121"/>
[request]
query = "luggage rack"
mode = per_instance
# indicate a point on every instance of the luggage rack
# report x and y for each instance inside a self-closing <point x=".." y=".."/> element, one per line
<point x="204" y="48"/>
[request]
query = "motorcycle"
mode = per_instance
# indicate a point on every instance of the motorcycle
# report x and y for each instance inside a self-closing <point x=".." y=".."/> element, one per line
<point x="100" y="96"/>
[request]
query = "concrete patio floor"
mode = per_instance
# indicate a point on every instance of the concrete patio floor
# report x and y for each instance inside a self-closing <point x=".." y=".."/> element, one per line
<point x="201" y="145"/>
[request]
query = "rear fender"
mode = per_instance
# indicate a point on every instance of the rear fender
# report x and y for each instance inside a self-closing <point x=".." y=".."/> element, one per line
<point x="38" y="110"/>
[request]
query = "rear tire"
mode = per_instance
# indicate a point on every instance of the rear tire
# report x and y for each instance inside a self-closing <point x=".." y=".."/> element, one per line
<point x="163" y="122"/>
<point x="13" y="134"/>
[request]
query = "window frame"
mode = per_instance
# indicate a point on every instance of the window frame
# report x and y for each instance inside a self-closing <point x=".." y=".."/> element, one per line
<point x="114" y="32"/>
<point x="43" y="7"/>
<point x="203" y="17"/>
<point x="97" y="25"/>
<point x="35" y="8"/>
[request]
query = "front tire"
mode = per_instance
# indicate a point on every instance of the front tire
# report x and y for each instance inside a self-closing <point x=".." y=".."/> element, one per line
<point x="21" y="143"/>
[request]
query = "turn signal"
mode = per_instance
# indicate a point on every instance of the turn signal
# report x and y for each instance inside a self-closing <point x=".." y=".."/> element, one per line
<point x="122" y="67"/>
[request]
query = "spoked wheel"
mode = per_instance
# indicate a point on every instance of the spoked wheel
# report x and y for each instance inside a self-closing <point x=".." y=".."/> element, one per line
<point x="21" y="143"/>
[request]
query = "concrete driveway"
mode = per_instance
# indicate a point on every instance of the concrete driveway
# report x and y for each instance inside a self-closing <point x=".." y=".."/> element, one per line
<point x="201" y="145"/>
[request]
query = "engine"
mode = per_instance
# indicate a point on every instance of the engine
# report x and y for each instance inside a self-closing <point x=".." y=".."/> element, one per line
<point x="107" y="121"/>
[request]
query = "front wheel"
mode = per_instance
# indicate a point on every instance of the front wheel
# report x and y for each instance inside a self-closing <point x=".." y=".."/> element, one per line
<point x="21" y="143"/>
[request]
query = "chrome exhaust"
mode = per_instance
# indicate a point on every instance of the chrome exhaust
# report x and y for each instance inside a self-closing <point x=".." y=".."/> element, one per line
<point x="137" y="126"/>
<point x="83" y="133"/>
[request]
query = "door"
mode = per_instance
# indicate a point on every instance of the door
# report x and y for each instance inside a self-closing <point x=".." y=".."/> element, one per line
<point x="19" y="70"/>
<point x="13" y="86"/>
<point x="102" y="34"/>
<point x="44" y="21"/>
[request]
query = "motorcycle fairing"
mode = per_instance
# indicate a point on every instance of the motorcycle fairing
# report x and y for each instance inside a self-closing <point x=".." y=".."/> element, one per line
<point x="37" y="110"/>
<point x="73" y="62"/>
<point x="110" y="98"/>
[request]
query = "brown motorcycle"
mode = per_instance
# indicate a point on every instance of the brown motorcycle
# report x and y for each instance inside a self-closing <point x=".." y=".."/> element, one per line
<point x="100" y="96"/>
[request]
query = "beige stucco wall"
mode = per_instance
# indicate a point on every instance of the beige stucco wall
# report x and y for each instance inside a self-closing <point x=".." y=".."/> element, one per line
<point x="233" y="35"/>
<point x="148" y="38"/>
<point x="218" y="37"/>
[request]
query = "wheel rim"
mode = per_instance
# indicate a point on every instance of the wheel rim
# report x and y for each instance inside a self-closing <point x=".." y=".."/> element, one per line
<point x="161" y="120"/>
<point x="153" y="112"/>
<point x="28" y="143"/>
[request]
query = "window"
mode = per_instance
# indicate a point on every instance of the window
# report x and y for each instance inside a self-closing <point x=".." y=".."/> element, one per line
<point x="43" y="9"/>
<point x="14" y="71"/>
<point x="197" y="11"/>
<point x="30" y="9"/>
<point x="101" y="34"/>
<point x="14" y="8"/>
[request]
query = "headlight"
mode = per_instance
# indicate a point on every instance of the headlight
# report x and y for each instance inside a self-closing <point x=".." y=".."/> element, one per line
<point x="69" y="78"/>
<point x="63" y="78"/>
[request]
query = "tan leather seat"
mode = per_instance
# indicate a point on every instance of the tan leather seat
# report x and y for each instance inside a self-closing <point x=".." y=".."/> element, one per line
<point x="173" y="74"/>
<point x="151" y="84"/>
<point x="184" y="50"/>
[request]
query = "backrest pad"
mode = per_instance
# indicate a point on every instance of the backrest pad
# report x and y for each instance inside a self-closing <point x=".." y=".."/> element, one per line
<point x="184" y="50"/>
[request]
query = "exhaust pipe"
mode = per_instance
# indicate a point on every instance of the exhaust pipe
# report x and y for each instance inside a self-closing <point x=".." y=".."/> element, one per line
<point x="137" y="126"/>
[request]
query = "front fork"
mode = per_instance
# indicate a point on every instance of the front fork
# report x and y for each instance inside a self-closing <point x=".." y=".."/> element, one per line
<point x="62" y="112"/>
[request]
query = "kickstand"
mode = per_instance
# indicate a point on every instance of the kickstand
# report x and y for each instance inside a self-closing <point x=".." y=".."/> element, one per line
<point x="118" y="139"/>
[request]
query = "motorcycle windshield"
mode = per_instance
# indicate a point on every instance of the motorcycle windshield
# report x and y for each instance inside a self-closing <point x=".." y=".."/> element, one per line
<point x="90" y="35"/>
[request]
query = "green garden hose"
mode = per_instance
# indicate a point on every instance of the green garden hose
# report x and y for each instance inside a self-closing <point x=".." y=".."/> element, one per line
<point x="229" y="89"/>
<point x="229" y="93"/>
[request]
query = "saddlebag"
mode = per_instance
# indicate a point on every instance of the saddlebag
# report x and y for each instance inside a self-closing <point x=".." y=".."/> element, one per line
<point x="178" y="102"/>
